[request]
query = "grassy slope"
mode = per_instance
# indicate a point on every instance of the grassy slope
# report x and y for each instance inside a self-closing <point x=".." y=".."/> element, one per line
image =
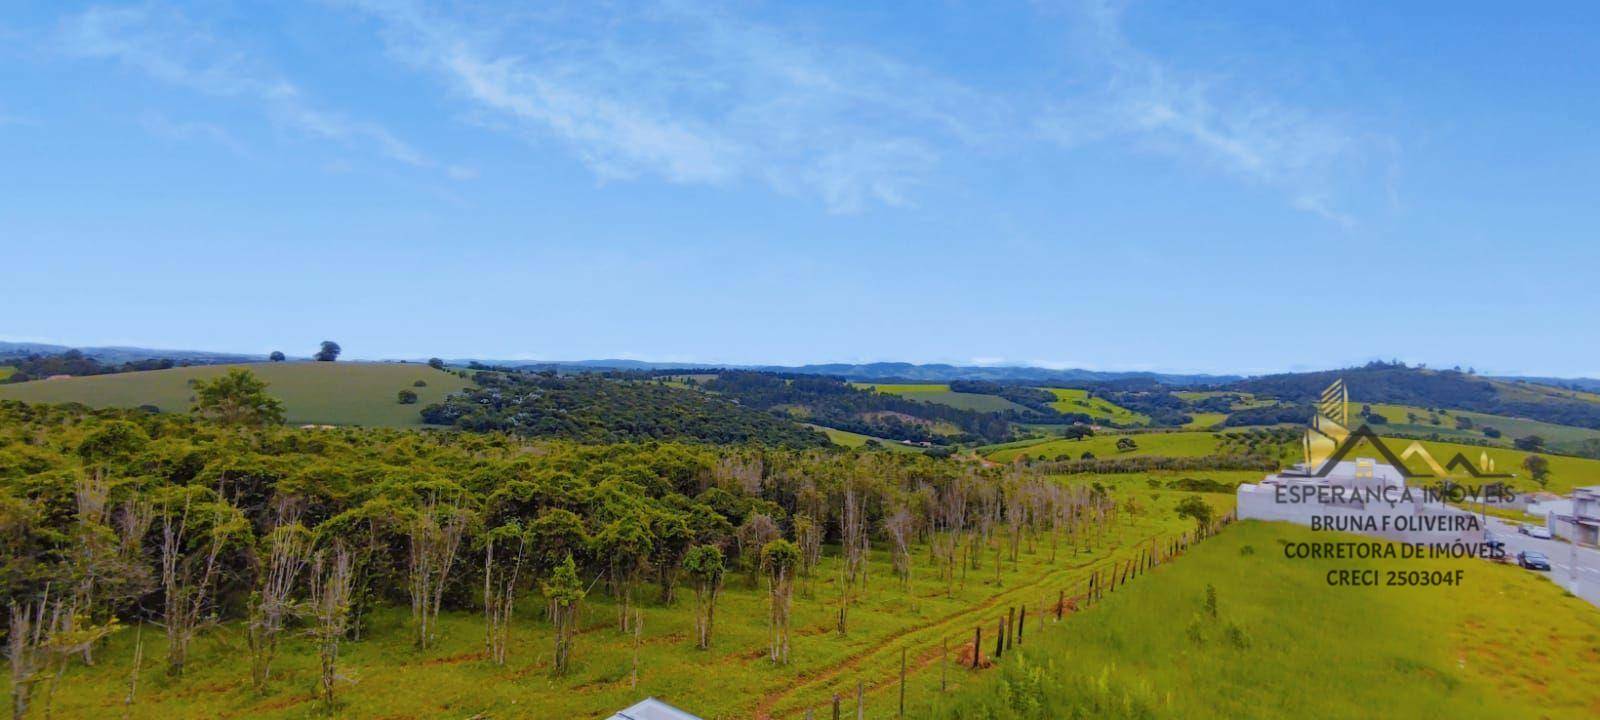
<point x="850" y="439"/>
<point x="1201" y="421"/>
<point x="1557" y="436"/>
<point x="1187" y="444"/>
<point x="1506" y="644"/>
<point x="1565" y="472"/>
<point x="732" y="680"/>
<point x="943" y="395"/>
<point x="1069" y="400"/>
<point x="7" y="371"/>
<point x="344" y="393"/>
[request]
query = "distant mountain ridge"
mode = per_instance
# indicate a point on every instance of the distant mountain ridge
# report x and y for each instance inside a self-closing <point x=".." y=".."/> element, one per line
<point x="115" y="354"/>
<point x="875" y="371"/>
<point x="900" y="371"/>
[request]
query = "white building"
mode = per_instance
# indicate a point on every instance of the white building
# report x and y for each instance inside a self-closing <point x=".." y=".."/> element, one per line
<point x="1584" y="515"/>
<point x="651" y="709"/>
<point x="1370" y="496"/>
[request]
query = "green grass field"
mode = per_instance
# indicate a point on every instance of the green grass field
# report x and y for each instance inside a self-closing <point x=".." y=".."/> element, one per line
<point x="1557" y="437"/>
<point x="1175" y="444"/>
<point x="943" y="395"/>
<point x="1070" y="400"/>
<point x="343" y="393"/>
<point x="1201" y="421"/>
<point x="388" y="679"/>
<point x="7" y="371"/>
<point x="854" y="440"/>
<point x="1565" y="472"/>
<point x="1283" y="644"/>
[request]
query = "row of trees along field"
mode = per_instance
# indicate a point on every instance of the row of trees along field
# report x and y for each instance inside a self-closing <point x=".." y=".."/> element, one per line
<point x="111" y="518"/>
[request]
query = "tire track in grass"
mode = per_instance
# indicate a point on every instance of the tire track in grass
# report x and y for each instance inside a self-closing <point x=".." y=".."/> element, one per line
<point x="825" y="676"/>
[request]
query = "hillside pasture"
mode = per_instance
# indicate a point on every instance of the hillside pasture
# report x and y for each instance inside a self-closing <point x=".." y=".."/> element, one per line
<point x="1565" y="472"/>
<point x="1202" y="420"/>
<point x="1282" y="643"/>
<point x="1073" y="400"/>
<point x="1558" y="437"/>
<point x="1175" y="444"/>
<point x="943" y="395"/>
<point x="849" y="439"/>
<point x="7" y="371"/>
<point x="337" y="393"/>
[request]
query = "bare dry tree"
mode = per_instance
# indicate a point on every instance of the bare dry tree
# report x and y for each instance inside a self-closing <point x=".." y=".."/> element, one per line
<point x="24" y="650"/>
<point x="779" y="559"/>
<point x="953" y="518"/>
<point x="808" y="538"/>
<point x="189" y="574"/>
<point x="898" y="527"/>
<point x="852" y="533"/>
<point x="43" y="635"/>
<point x="500" y="586"/>
<point x="751" y="536"/>
<point x="433" y="540"/>
<point x="332" y="573"/>
<point x="288" y="547"/>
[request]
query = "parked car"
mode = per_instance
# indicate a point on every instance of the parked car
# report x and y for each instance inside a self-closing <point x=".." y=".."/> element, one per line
<point x="1538" y="531"/>
<point x="1533" y="560"/>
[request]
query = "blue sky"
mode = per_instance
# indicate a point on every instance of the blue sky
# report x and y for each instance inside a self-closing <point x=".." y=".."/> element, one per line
<point x="1225" y="187"/>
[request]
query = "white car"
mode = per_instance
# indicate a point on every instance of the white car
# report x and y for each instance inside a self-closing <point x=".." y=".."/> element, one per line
<point x="1538" y="531"/>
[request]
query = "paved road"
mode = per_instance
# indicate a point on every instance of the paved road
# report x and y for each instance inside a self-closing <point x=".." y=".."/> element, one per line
<point x="1587" y="577"/>
<point x="1584" y="583"/>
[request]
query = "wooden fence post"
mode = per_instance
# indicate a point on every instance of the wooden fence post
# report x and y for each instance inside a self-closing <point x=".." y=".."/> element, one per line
<point x="1061" y="604"/>
<point x="1022" y="623"/>
<point x="1000" y="639"/>
<point x="977" y="645"/>
<point x="836" y="706"/>
<point x="902" y="682"/>
<point x="861" y="699"/>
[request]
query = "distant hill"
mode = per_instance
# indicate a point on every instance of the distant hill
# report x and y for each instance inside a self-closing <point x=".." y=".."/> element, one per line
<point x="1398" y="384"/>
<point x="116" y="355"/>
<point x="1584" y="384"/>
<point x="338" y="393"/>
<point x="890" y="371"/>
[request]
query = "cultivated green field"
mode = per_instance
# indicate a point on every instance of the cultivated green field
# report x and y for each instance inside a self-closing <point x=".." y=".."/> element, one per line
<point x="341" y="393"/>
<point x="7" y="371"/>
<point x="943" y="395"/>
<point x="1071" y="400"/>
<point x="387" y="678"/>
<point x="1283" y="644"/>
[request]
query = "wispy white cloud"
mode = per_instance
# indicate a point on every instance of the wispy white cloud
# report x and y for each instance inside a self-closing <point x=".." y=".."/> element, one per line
<point x="693" y="94"/>
<point x="1135" y="96"/>
<point x="165" y="44"/>
<point x="160" y="125"/>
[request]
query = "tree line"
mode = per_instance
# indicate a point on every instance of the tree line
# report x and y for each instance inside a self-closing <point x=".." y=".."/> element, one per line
<point x="598" y="408"/>
<point x="114" y="517"/>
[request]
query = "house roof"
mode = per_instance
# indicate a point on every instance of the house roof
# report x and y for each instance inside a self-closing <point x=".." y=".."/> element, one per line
<point x="652" y="709"/>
